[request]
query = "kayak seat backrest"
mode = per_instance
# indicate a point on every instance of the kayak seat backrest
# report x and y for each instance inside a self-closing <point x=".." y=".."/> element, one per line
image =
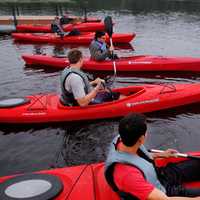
<point x="13" y="102"/>
<point x="39" y="186"/>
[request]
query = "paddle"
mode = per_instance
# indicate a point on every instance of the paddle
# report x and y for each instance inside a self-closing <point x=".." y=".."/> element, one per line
<point x="57" y="10"/>
<point x="85" y="14"/>
<point x="14" y="16"/>
<point x="109" y="29"/>
<point x="183" y="155"/>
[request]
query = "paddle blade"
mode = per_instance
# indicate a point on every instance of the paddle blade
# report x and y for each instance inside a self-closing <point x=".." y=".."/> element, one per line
<point x="193" y="157"/>
<point x="108" y="25"/>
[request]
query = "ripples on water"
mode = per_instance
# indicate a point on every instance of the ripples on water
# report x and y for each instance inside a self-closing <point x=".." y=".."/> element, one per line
<point x="31" y="148"/>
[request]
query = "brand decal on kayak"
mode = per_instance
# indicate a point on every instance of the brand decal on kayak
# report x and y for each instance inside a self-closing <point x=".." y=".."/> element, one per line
<point x="139" y="62"/>
<point x="142" y="102"/>
<point x="36" y="113"/>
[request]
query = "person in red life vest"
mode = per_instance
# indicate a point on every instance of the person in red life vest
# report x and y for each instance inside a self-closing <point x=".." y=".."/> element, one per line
<point x="131" y="172"/>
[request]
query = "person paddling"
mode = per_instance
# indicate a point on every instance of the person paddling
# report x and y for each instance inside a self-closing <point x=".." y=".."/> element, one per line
<point x="99" y="50"/>
<point x="57" y="28"/>
<point x="76" y="88"/>
<point x="66" y="19"/>
<point x="131" y="172"/>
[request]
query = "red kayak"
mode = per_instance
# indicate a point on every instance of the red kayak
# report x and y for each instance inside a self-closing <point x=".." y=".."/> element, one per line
<point x="83" y="27"/>
<point x="45" y="108"/>
<point x="127" y="64"/>
<point x="70" y="183"/>
<point x="84" y="38"/>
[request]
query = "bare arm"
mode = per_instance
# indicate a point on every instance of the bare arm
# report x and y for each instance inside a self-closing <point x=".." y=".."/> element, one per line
<point x="165" y="154"/>
<point x="159" y="195"/>
<point x="88" y="98"/>
<point x="96" y="81"/>
<point x="76" y="84"/>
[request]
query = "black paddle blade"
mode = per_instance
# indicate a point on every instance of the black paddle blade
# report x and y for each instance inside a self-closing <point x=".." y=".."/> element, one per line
<point x="193" y="157"/>
<point x="108" y="25"/>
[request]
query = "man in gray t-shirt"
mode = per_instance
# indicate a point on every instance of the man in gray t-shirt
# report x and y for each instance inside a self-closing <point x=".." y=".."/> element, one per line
<point x="75" y="86"/>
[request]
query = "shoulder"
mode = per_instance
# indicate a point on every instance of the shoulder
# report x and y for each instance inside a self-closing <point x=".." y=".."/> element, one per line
<point x="124" y="170"/>
<point x="125" y="174"/>
<point x="131" y="180"/>
<point x="74" y="76"/>
<point x="94" y="44"/>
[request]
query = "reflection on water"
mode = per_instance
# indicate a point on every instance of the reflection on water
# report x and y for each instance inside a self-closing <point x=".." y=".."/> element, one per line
<point x="57" y="145"/>
<point x="87" y="145"/>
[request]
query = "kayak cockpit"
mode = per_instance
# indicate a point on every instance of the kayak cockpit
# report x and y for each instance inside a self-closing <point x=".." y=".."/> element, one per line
<point x="130" y="91"/>
<point x="126" y="92"/>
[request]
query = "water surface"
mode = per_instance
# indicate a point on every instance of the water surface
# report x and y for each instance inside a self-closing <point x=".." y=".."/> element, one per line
<point x="170" y="28"/>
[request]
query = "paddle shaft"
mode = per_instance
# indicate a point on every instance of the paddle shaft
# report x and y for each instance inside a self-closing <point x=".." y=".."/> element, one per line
<point x="111" y="42"/>
<point x="109" y="29"/>
<point x="85" y="14"/>
<point x="115" y="69"/>
<point x="183" y="155"/>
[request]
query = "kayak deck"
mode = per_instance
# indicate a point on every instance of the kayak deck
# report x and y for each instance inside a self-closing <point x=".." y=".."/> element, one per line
<point x="47" y="108"/>
<point x="89" y="180"/>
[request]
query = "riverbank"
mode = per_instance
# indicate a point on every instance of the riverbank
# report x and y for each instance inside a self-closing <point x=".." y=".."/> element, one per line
<point x="31" y="19"/>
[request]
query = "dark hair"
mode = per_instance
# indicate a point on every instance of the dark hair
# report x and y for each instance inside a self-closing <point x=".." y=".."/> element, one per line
<point x="131" y="128"/>
<point x="99" y="34"/>
<point x="74" y="56"/>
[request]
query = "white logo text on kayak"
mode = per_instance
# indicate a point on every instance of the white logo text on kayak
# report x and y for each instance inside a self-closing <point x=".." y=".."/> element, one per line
<point x="142" y="102"/>
<point x="139" y="62"/>
<point x="36" y="113"/>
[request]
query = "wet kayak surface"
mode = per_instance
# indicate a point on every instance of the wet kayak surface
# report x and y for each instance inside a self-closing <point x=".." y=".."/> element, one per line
<point x="159" y="31"/>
